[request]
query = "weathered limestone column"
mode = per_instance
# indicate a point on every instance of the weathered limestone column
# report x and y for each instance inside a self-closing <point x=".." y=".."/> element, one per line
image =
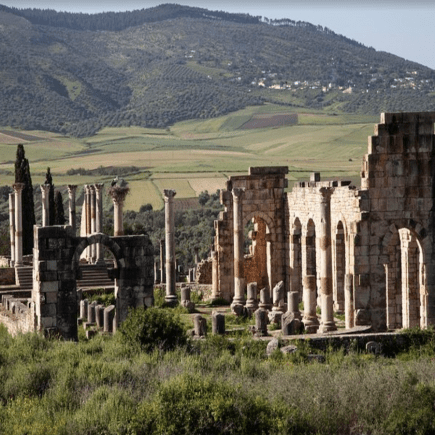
<point x="171" y="297"/>
<point x="45" y="192"/>
<point x="239" y="279"/>
<point x="93" y="221"/>
<point x="311" y="323"/>
<point x="162" y="261"/>
<point x="214" y="276"/>
<point x="99" y="220"/>
<point x="72" y="206"/>
<point x="87" y="207"/>
<point x="12" y="226"/>
<point x="327" y="321"/>
<point x="18" y="188"/>
<point x="118" y="194"/>
<point x="348" y="298"/>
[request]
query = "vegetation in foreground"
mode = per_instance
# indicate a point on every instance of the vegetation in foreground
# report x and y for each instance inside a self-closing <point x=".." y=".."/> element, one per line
<point x="112" y="385"/>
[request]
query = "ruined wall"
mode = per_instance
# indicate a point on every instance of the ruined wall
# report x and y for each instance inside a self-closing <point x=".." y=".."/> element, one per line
<point x="204" y="272"/>
<point x="7" y="275"/>
<point x="398" y="173"/>
<point x="56" y="261"/>
<point x="263" y="199"/>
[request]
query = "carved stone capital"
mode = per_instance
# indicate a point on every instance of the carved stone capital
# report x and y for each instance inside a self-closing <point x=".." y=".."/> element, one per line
<point x="45" y="189"/>
<point x="169" y="194"/>
<point x="18" y="187"/>
<point x="238" y="192"/>
<point x="72" y="189"/>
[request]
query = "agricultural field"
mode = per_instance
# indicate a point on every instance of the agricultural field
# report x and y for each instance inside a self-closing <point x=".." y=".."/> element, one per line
<point x="197" y="155"/>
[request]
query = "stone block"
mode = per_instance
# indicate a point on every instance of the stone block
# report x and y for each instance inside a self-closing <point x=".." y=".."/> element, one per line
<point x="200" y="325"/>
<point x="218" y="323"/>
<point x="291" y="324"/>
<point x="99" y="315"/>
<point x="109" y="317"/>
<point x="261" y="322"/>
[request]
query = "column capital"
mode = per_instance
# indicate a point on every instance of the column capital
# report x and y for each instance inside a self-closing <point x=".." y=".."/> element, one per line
<point x="326" y="193"/>
<point x="72" y="188"/>
<point x="169" y="194"/>
<point x="118" y="193"/>
<point x="18" y="187"/>
<point x="45" y="189"/>
<point x="238" y="192"/>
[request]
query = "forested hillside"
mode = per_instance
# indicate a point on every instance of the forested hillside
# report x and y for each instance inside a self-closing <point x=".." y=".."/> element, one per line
<point x="76" y="73"/>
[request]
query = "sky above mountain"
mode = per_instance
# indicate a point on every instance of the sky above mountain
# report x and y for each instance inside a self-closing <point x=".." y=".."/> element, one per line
<point x="399" y="27"/>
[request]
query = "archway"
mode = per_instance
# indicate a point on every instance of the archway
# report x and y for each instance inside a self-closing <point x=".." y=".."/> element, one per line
<point x="259" y="261"/>
<point x="296" y="258"/>
<point x="339" y="269"/>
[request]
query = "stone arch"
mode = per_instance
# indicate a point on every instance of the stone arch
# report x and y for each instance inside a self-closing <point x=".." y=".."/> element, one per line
<point x="296" y="257"/>
<point x="259" y="214"/>
<point x="105" y="240"/>
<point x="404" y="253"/>
<point x="339" y="266"/>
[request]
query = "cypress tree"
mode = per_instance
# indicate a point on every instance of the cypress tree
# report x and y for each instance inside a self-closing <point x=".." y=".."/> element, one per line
<point x="22" y="175"/>
<point x="51" y="202"/>
<point x="59" y="212"/>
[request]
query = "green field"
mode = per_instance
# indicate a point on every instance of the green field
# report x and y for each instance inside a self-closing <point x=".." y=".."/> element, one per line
<point x="198" y="155"/>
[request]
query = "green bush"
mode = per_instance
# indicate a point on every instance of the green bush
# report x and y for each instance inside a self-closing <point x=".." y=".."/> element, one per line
<point x="153" y="328"/>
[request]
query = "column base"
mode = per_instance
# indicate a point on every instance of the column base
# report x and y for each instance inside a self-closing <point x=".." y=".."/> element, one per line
<point x="237" y="307"/>
<point x="327" y="327"/>
<point x="171" y="300"/>
<point x="311" y="325"/>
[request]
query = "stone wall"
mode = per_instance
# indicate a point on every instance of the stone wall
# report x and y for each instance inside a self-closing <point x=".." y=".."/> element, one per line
<point x="204" y="272"/>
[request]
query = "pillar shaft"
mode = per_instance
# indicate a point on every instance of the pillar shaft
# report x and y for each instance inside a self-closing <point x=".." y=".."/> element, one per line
<point x="12" y="226"/>
<point x="171" y="296"/>
<point x="162" y="261"/>
<point x="214" y="275"/>
<point x="118" y="194"/>
<point x="239" y="273"/>
<point x="310" y="317"/>
<point x="18" y="188"/>
<point x="327" y="322"/>
<point x="93" y="221"/>
<point x="348" y="301"/>
<point x="45" y="195"/>
<point x="99" y="220"/>
<point x="72" y="206"/>
<point x="295" y="278"/>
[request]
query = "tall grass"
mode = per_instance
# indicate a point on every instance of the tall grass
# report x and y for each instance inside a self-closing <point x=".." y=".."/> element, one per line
<point x="213" y="386"/>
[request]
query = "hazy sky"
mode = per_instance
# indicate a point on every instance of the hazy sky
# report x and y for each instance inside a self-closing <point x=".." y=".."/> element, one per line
<point x="405" y="28"/>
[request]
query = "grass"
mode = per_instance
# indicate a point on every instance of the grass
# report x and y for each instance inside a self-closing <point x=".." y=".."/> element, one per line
<point x="215" y="385"/>
<point x="198" y="155"/>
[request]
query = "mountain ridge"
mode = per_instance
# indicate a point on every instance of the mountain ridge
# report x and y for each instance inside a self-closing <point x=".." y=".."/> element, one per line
<point x="163" y="71"/>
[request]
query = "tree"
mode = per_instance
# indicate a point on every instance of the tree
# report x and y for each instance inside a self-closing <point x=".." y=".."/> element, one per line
<point x="22" y="175"/>
<point x="51" y="202"/>
<point x="59" y="212"/>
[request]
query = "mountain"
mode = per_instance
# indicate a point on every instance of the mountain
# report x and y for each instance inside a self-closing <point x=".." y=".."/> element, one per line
<point x="76" y="73"/>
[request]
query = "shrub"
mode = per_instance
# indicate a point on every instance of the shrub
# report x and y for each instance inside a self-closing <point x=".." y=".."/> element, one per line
<point x="153" y="328"/>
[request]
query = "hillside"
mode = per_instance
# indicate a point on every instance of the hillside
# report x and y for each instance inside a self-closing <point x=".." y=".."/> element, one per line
<point x="77" y="73"/>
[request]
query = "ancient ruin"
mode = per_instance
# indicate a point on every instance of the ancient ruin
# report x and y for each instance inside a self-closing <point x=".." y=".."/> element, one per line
<point x="363" y="252"/>
<point x="366" y="252"/>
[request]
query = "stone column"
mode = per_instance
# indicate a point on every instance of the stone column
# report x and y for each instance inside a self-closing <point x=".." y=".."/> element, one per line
<point x="171" y="297"/>
<point x="72" y="206"/>
<point x="327" y="321"/>
<point x="99" y="220"/>
<point x="45" y="193"/>
<point x="239" y="275"/>
<point x="162" y="261"/>
<point x="93" y="221"/>
<point x="295" y="278"/>
<point x="18" y="188"/>
<point x="87" y="207"/>
<point x="118" y="194"/>
<point x="12" y="226"/>
<point x="311" y="323"/>
<point x="214" y="276"/>
<point x="348" y="298"/>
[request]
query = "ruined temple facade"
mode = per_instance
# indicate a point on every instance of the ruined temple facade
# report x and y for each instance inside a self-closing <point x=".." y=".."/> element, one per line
<point x="366" y="252"/>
